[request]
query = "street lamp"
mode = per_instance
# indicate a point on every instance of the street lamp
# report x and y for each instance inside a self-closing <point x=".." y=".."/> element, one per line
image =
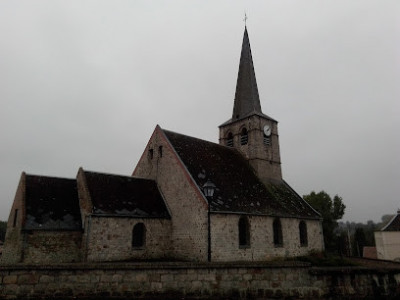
<point x="208" y="190"/>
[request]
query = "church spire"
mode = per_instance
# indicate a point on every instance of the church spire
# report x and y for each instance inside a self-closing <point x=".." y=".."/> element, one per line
<point x="247" y="100"/>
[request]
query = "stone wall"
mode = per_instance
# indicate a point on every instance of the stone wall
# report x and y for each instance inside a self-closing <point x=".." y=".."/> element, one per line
<point x="46" y="247"/>
<point x="265" y="159"/>
<point x="12" y="248"/>
<point x="225" y="238"/>
<point x="178" y="280"/>
<point x="187" y="206"/>
<point x="111" y="239"/>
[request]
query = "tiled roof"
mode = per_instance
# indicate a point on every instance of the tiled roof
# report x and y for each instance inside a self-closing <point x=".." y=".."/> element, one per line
<point x="238" y="189"/>
<point x="125" y="196"/>
<point x="393" y="224"/>
<point x="52" y="203"/>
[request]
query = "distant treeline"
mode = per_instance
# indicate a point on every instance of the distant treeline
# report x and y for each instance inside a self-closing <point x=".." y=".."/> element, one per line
<point x="355" y="236"/>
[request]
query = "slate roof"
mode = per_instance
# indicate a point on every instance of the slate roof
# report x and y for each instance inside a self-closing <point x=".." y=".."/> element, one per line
<point x="393" y="224"/>
<point x="238" y="189"/>
<point x="51" y="203"/>
<point x="247" y="99"/>
<point x="125" y="196"/>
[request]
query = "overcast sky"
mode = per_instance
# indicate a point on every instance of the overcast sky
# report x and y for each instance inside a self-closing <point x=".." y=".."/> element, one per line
<point x="84" y="83"/>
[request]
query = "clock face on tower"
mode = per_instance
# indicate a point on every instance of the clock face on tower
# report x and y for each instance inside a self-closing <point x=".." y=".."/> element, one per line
<point x="267" y="130"/>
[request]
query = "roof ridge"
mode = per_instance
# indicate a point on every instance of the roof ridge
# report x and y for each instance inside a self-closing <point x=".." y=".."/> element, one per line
<point x="118" y="175"/>
<point x="49" y="177"/>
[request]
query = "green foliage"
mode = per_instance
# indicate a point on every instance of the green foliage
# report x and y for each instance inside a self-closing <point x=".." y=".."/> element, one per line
<point x="331" y="211"/>
<point x="359" y="242"/>
<point x="3" y="228"/>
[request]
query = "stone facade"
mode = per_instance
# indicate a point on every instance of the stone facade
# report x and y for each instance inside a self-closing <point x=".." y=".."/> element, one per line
<point x="225" y="238"/>
<point x="264" y="158"/>
<point x="185" y="201"/>
<point x="12" y="249"/>
<point x="47" y="247"/>
<point x="110" y="239"/>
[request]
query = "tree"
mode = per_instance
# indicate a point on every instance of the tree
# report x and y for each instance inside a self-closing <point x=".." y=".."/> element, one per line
<point x="360" y="242"/>
<point x="331" y="211"/>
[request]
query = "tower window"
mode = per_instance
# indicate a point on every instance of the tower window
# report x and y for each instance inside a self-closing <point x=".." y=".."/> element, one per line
<point x="229" y="141"/>
<point x="303" y="234"/>
<point x="267" y="140"/>
<point x="244" y="232"/>
<point x="277" y="229"/>
<point x="151" y="153"/>
<point x="244" y="137"/>
<point x="138" y="235"/>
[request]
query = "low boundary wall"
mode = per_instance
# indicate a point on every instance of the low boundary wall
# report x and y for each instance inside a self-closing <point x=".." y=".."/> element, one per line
<point x="292" y="280"/>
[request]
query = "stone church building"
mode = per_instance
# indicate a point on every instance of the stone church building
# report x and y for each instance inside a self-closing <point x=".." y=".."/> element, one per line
<point x="187" y="199"/>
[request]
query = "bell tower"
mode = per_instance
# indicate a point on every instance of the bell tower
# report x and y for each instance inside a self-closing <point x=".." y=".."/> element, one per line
<point x="250" y="131"/>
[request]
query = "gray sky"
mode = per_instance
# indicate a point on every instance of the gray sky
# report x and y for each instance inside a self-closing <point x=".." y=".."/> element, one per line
<point x="84" y="83"/>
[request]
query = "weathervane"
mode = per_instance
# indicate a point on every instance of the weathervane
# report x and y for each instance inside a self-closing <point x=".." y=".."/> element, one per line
<point x="245" y="19"/>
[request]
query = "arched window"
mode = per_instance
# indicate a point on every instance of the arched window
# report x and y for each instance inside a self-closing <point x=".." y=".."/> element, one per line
<point x="244" y="138"/>
<point x="138" y="235"/>
<point x="244" y="232"/>
<point x="277" y="228"/>
<point x="229" y="140"/>
<point x="303" y="234"/>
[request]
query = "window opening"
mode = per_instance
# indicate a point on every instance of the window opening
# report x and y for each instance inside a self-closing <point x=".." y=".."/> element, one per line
<point x="138" y="235"/>
<point x="277" y="228"/>
<point x="244" y="232"/>
<point x="229" y="141"/>
<point x="160" y="151"/>
<point x="244" y="138"/>
<point x="151" y="153"/>
<point x="267" y="140"/>
<point x="303" y="234"/>
<point x="15" y="218"/>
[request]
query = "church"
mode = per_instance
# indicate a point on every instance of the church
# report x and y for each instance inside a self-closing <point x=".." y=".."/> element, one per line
<point x="188" y="199"/>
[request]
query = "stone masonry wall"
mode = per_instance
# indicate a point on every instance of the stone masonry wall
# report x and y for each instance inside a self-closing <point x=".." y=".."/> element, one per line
<point x="12" y="249"/>
<point x="45" y="247"/>
<point x="225" y="238"/>
<point x="212" y="281"/>
<point x="110" y="239"/>
<point x="265" y="159"/>
<point x="187" y="206"/>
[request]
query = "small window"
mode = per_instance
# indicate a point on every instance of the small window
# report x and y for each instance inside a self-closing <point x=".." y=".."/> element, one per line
<point x="244" y="232"/>
<point x="15" y="218"/>
<point x="229" y="141"/>
<point x="277" y="229"/>
<point x="138" y="235"/>
<point x="151" y="153"/>
<point x="160" y="151"/>
<point x="244" y="138"/>
<point x="303" y="234"/>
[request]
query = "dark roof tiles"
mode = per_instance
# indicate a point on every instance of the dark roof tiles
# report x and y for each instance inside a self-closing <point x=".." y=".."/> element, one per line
<point x="51" y="203"/>
<point x="393" y="224"/>
<point x="237" y="188"/>
<point x="125" y="196"/>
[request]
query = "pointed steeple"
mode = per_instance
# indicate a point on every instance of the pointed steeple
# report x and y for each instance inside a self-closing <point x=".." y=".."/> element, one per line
<point x="247" y="100"/>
